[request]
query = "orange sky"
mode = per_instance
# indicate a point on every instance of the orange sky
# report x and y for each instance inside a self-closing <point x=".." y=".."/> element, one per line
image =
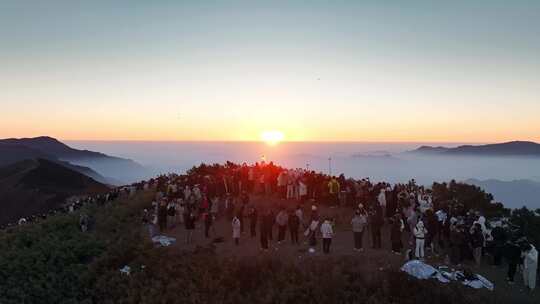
<point x="455" y="71"/>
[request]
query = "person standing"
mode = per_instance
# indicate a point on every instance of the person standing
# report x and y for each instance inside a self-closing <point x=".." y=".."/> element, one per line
<point x="381" y="199"/>
<point x="302" y="190"/>
<point x="333" y="191"/>
<point x="180" y="210"/>
<point x="311" y="233"/>
<point x="499" y="239"/>
<point x="236" y="225"/>
<point x="214" y="207"/>
<point x="376" y="222"/>
<point x="253" y="217"/>
<point x="207" y="223"/>
<point x="530" y="266"/>
<point x="282" y="184"/>
<point x="358" y="223"/>
<point x="281" y="220"/>
<point x="477" y="241"/>
<point x="420" y="233"/>
<point x="189" y="222"/>
<point x="264" y="226"/>
<point x="171" y="214"/>
<point x="432" y="225"/>
<point x="512" y="253"/>
<point x="300" y="214"/>
<point x="327" y="233"/>
<point x="84" y="221"/>
<point x="294" y="224"/>
<point x="396" y="231"/>
<point x="162" y="216"/>
<point x="270" y="222"/>
<point x="456" y="242"/>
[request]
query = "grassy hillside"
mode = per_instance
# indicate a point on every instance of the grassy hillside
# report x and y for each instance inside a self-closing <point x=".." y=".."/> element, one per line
<point x="53" y="262"/>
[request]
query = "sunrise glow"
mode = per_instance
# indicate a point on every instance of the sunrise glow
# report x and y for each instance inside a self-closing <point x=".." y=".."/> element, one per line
<point x="272" y="137"/>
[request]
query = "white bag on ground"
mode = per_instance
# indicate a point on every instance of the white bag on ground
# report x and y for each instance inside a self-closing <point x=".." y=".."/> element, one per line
<point x="163" y="240"/>
<point x="419" y="269"/>
<point x="423" y="271"/>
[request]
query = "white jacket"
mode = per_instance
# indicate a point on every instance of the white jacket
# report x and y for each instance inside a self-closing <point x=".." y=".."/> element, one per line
<point x="530" y="259"/>
<point x="326" y="230"/>
<point x="382" y="198"/>
<point x="302" y="189"/>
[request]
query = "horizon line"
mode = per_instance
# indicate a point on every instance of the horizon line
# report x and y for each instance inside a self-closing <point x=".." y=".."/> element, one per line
<point x="285" y="141"/>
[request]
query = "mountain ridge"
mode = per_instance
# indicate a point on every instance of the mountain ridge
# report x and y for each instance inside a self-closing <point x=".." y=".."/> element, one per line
<point x="511" y="148"/>
<point x="94" y="164"/>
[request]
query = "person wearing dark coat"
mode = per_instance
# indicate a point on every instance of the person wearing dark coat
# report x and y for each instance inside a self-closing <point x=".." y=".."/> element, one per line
<point x="499" y="240"/>
<point x="207" y="223"/>
<point x="294" y="224"/>
<point x="457" y="240"/>
<point x="376" y="222"/>
<point x="265" y="227"/>
<point x="391" y="202"/>
<point x="270" y="224"/>
<point x="162" y="216"/>
<point x="432" y="225"/>
<point x="240" y="216"/>
<point x="253" y="217"/>
<point x="396" y="230"/>
<point x="512" y="253"/>
<point x="189" y="222"/>
<point x="477" y="241"/>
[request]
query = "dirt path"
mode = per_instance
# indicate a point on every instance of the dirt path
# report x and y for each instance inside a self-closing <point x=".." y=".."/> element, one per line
<point x="342" y="245"/>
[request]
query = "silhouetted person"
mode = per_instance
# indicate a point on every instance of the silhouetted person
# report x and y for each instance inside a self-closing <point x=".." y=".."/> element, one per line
<point x="207" y="223"/>
<point x="512" y="253"/>
<point x="282" y="220"/>
<point x="253" y="217"/>
<point x="499" y="240"/>
<point x="396" y="230"/>
<point x="162" y="216"/>
<point x="294" y="224"/>
<point x="376" y="224"/>
<point x="265" y="228"/>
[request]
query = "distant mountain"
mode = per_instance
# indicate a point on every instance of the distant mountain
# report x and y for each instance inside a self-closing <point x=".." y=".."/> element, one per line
<point x="118" y="170"/>
<point x="36" y="186"/>
<point x="513" y="148"/>
<point x="10" y="154"/>
<point x="514" y="194"/>
<point x="377" y="155"/>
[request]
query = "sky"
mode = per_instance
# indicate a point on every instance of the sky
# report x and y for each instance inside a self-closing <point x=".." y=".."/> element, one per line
<point x="448" y="71"/>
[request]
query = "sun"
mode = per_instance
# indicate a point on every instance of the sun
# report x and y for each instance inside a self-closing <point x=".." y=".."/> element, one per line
<point x="272" y="137"/>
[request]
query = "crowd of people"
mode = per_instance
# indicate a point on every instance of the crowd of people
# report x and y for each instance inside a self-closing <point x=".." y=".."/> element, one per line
<point x="429" y="225"/>
<point x="73" y="204"/>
